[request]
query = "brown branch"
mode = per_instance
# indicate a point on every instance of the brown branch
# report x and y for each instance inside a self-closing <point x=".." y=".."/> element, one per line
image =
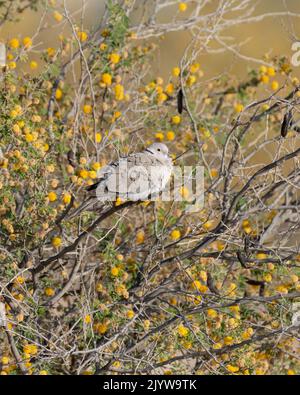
<point x="44" y="263"/>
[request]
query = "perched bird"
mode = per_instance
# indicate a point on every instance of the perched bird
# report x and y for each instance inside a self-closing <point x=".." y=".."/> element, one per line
<point x="135" y="177"/>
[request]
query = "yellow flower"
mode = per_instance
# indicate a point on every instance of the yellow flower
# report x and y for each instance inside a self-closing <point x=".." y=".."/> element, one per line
<point x="96" y="165"/>
<point x="83" y="173"/>
<point x="175" y="234"/>
<point x="98" y="138"/>
<point x="12" y="65"/>
<point x="184" y="192"/>
<point x="116" y="364"/>
<point x="118" y="202"/>
<point x="275" y="85"/>
<point x="159" y="136"/>
<point x="294" y="278"/>
<point x="67" y="198"/>
<point x="233" y="323"/>
<point x="271" y="266"/>
<point x="191" y="80"/>
<point x="169" y="89"/>
<point x="30" y="349"/>
<point x="264" y="79"/>
<point x="51" y="168"/>
<point x="49" y="291"/>
<point x="291" y="372"/>
<point x="170" y="135"/>
<point x="176" y="71"/>
<point x="282" y="289"/>
<point x="232" y="369"/>
<point x="208" y="225"/>
<point x="27" y="42"/>
<point x="265" y="107"/>
<point x="217" y="346"/>
<point x="56" y="242"/>
<point x="106" y="78"/>
<point x="14" y="43"/>
<point x="92" y="174"/>
<point x="182" y="331"/>
<point x="203" y="275"/>
<point x="247" y="229"/>
<point x="146" y="324"/>
<point x="140" y="237"/>
<point x="206" y="133"/>
<point x="101" y="328"/>
<point x="122" y="291"/>
<point x="162" y="97"/>
<point x="87" y="319"/>
<point x="214" y="173"/>
<point x="82" y="36"/>
<point x="114" y="58"/>
<point x="231" y="289"/>
<point x="52" y="196"/>
<point x="117" y="114"/>
<point x="268" y="277"/>
<point x="247" y="334"/>
<point x="83" y="160"/>
<point x="119" y="92"/>
<point x="261" y="255"/>
<point x="43" y="373"/>
<point x="228" y="340"/>
<point x="182" y="7"/>
<point x="212" y="313"/>
<point x="263" y="69"/>
<point x="271" y="72"/>
<point x="99" y="287"/>
<point x="196" y="284"/>
<point x="5" y="360"/>
<point x="51" y="51"/>
<point x="58" y="94"/>
<point x="103" y="47"/>
<point x="130" y="314"/>
<point x="159" y="81"/>
<point x="176" y="119"/>
<point x="159" y="89"/>
<point x="87" y="109"/>
<point x="20" y="280"/>
<point x="115" y="271"/>
<point x="57" y="16"/>
<point x="238" y="107"/>
<point x="194" y="68"/>
<point x="33" y="65"/>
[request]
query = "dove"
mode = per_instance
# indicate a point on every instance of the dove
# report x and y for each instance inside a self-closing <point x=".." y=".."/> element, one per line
<point x="136" y="177"/>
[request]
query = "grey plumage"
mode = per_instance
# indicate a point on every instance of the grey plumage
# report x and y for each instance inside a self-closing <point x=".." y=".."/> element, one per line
<point x="134" y="177"/>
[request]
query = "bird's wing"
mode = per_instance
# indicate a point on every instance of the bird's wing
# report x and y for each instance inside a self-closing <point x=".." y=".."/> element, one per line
<point x="134" y="177"/>
<point x="103" y="174"/>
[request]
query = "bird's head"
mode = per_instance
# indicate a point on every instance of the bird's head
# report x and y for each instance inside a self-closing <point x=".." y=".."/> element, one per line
<point x="159" y="150"/>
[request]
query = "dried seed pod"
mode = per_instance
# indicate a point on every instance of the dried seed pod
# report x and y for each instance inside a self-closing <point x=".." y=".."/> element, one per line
<point x="180" y="101"/>
<point x="286" y="123"/>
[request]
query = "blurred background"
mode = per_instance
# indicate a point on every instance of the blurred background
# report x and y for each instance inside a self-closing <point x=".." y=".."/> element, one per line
<point x="272" y="36"/>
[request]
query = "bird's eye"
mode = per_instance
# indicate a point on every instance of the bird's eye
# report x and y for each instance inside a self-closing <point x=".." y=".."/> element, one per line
<point x="158" y="149"/>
